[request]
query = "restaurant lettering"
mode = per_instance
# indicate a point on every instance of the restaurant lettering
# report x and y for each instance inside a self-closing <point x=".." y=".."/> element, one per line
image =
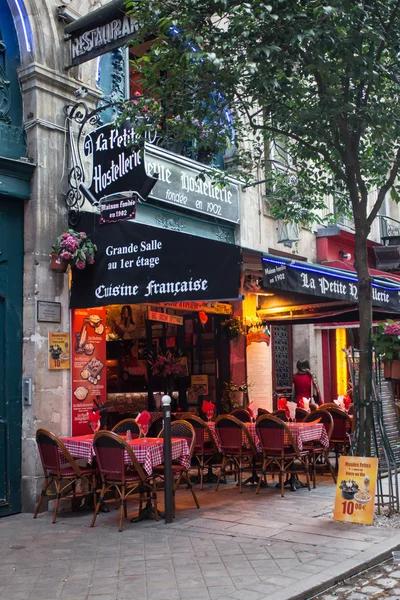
<point x="190" y="185"/>
<point x="117" y="162"/>
<point x="101" y="39"/>
<point x="295" y="278"/>
<point x="137" y="263"/>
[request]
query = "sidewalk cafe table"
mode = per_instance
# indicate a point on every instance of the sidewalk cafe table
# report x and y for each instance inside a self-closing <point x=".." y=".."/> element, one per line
<point x="148" y="451"/>
<point x="303" y="433"/>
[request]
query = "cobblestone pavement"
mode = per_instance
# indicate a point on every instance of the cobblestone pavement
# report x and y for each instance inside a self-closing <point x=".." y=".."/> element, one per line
<point x="380" y="582"/>
<point x="236" y="547"/>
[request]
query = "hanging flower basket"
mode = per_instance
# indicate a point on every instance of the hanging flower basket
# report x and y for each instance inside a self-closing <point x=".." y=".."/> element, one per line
<point x="387" y="345"/>
<point x="232" y="328"/>
<point x="57" y="263"/>
<point x="75" y="248"/>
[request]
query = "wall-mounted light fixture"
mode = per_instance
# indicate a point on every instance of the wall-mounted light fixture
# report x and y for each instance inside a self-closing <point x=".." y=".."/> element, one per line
<point x="67" y="14"/>
<point x="345" y="255"/>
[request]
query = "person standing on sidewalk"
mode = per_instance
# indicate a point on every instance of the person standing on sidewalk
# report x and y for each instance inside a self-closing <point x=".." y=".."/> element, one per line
<point x="305" y="384"/>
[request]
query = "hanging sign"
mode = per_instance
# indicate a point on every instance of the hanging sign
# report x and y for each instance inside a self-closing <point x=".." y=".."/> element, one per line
<point x="164" y="318"/>
<point x="118" y="209"/>
<point x="141" y="264"/>
<point x="59" y="350"/>
<point x="89" y="379"/>
<point x="117" y="164"/>
<point x="355" y="489"/>
<point x="100" y="31"/>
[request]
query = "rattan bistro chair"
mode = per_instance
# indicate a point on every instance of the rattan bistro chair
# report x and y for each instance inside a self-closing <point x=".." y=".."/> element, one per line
<point x="237" y="446"/>
<point x="280" y="414"/>
<point x="128" y="425"/>
<point x="155" y="426"/>
<point x="180" y="429"/>
<point x="342" y="427"/>
<point x="205" y="450"/>
<point x="301" y="413"/>
<point x="124" y="478"/>
<point x="59" y="466"/>
<point x="241" y="414"/>
<point x="316" y="450"/>
<point x="280" y="451"/>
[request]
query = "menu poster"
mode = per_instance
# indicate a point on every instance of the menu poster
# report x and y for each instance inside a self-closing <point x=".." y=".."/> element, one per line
<point x="355" y="489"/>
<point x="59" y="350"/>
<point x="89" y="377"/>
<point x="199" y="383"/>
<point x="259" y="374"/>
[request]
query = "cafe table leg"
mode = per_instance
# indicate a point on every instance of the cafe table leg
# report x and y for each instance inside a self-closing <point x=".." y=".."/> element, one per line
<point x="148" y="512"/>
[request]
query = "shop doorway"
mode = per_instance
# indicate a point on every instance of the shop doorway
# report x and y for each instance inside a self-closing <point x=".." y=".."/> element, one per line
<point x="11" y="279"/>
<point x="134" y="341"/>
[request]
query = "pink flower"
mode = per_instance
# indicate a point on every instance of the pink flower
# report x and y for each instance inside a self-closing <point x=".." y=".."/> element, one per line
<point x="65" y="255"/>
<point x="91" y="261"/>
<point x="70" y="243"/>
<point x="81" y="264"/>
<point x="392" y="329"/>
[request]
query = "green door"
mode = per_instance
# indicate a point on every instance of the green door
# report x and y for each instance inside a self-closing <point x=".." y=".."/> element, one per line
<point x="11" y="276"/>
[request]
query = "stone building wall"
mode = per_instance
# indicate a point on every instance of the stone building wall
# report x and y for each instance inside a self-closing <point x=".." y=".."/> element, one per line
<point x="46" y="89"/>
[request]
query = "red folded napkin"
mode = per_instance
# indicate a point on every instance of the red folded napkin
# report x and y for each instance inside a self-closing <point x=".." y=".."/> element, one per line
<point x="347" y="402"/>
<point x="94" y="417"/>
<point x="207" y="406"/>
<point x="282" y="403"/>
<point x="143" y="418"/>
<point x="252" y="408"/>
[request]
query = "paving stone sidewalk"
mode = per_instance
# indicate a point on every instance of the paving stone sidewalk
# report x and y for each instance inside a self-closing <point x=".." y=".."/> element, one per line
<point x="236" y="547"/>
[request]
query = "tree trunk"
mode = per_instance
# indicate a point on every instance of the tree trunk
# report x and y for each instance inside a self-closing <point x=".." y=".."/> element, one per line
<point x="363" y="409"/>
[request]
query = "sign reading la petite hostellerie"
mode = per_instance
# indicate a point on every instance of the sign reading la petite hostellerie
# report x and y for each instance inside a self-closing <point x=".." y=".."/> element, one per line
<point x="137" y="263"/>
<point x="305" y="279"/>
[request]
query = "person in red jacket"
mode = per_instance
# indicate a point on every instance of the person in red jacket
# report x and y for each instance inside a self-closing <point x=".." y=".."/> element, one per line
<point x="305" y="384"/>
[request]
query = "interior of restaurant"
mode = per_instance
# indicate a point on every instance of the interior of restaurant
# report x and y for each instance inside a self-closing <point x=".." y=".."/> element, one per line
<point x="133" y="342"/>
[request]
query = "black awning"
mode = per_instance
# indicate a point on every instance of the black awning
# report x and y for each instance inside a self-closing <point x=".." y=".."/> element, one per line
<point x="326" y="283"/>
<point x="96" y="18"/>
<point x="138" y="263"/>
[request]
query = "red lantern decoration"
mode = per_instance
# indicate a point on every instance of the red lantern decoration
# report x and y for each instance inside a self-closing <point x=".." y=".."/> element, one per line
<point x="203" y="318"/>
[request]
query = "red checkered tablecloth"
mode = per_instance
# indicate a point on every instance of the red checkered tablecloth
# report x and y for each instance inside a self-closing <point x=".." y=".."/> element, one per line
<point x="251" y="428"/>
<point x="308" y="432"/>
<point x="148" y="451"/>
<point x="302" y="433"/>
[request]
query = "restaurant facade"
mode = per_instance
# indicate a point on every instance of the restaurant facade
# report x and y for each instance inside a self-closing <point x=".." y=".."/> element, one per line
<point x="177" y="257"/>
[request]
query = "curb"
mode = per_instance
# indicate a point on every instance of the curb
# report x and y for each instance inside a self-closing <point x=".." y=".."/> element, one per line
<point x="319" y="583"/>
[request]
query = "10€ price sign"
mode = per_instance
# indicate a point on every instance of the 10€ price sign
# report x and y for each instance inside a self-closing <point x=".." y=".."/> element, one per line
<point x="355" y="489"/>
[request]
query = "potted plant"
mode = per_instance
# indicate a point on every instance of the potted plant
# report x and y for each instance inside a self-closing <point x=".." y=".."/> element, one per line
<point x="233" y="393"/>
<point x="387" y="345"/>
<point x="169" y="366"/>
<point x="232" y="328"/>
<point x="72" y="248"/>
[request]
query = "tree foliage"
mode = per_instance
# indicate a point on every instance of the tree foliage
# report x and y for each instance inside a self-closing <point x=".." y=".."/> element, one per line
<point x="319" y="78"/>
<point x="322" y="76"/>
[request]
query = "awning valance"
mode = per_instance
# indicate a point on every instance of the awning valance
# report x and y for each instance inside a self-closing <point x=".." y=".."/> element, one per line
<point x="326" y="283"/>
<point x="137" y="264"/>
